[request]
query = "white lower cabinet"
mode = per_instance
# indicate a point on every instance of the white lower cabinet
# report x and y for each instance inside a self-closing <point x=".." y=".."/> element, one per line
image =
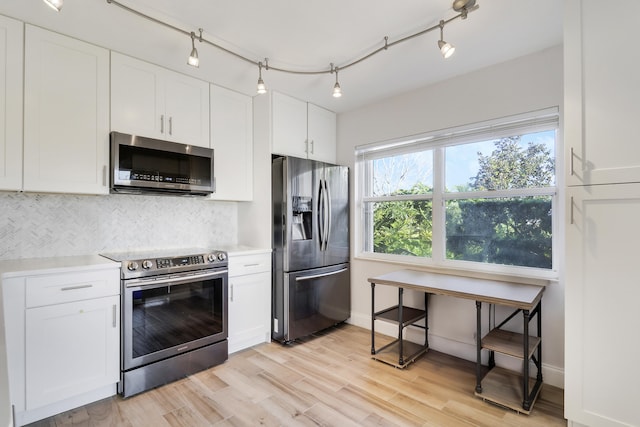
<point x="62" y="333"/>
<point x="249" y="300"/>
<point x="70" y="349"/>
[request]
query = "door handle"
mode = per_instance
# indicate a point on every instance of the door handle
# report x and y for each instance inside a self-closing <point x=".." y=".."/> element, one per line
<point x="161" y="123"/>
<point x="170" y="125"/>
<point x="115" y="307"/>
<point x="318" y="276"/>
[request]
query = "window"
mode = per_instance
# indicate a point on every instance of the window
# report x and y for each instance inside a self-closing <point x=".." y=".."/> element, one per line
<point x="480" y="197"/>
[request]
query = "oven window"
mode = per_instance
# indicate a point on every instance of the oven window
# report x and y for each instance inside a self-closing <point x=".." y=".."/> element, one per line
<point x="175" y="315"/>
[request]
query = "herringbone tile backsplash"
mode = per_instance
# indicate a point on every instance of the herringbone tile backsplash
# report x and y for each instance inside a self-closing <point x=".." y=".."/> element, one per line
<point x="45" y="225"/>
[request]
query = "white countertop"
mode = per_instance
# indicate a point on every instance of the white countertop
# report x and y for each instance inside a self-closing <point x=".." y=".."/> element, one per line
<point x="243" y="250"/>
<point x="31" y="266"/>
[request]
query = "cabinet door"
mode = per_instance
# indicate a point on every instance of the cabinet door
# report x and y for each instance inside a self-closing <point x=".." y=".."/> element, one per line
<point x="66" y="114"/>
<point x="249" y="310"/>
<point x="232" y="140"/>
<point x="289" y="121"/>
<point x="137" y="97"/>
<point x="71" y="349"/>
<point x="321" y="133"/>
<point x="11" y="40"/>
<point x="602" y="295"/>
<point x="186" y="109"/>
<point x="601" y="109"/>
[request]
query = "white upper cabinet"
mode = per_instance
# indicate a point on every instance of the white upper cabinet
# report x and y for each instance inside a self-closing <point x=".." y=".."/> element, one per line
<point x="601" y="106"/>
<point x="152" y="101"/>
<point x="66" y="114"/>
<point x="232" y="141"/>
<point x="302" y="130"/>
<point x="11" y="48"/>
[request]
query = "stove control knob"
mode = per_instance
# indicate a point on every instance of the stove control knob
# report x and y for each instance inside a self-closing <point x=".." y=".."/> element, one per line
<point x="146" y="264"/>
<point x="132" y="266"/>
<point x="211" y="258"/>
<point x="222" y="256"/>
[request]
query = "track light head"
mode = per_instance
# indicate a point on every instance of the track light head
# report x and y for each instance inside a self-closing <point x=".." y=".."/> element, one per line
<point x="261" y="88"/>
<point x="193" y="60"/>
<point x="446" y="49"/>
<point x="54" y="4"/>
<point x="337" y="91"/>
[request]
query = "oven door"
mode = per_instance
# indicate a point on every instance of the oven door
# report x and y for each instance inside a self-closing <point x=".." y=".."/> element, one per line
<point x="166" y="317"/>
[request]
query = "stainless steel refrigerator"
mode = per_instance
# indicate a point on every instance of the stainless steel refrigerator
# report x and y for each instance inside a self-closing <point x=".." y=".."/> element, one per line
<point x="311" y="282"/>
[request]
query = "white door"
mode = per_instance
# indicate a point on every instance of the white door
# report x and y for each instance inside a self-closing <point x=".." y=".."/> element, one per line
<point x="11" y="40"/>
<point x="187" y="110"/>
<point x="232" y="141"/>
<point x="289" y="121"/>
<point x="66" y="114"/>
<point x="601" y="316"/>
<point x="249" y="302"/>
<point x="71" y="348"/>
<point x="601" y="103"/>
<point x="321" y="133"/>
<point x="137" y="97"/>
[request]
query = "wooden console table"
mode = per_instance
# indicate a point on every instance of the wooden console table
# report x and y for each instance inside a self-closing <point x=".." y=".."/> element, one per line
<point x="514" y="390"/>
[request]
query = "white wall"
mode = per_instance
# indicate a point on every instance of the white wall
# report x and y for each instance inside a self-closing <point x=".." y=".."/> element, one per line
<point x="521" y="85"/>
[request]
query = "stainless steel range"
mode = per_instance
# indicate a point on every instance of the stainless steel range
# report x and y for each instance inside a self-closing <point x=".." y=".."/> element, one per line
<point x="174" y="315"/>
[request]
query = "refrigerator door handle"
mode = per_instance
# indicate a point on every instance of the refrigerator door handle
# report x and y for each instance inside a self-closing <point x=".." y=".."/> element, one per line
<point x="318" y="276"/>
<point x="321" y="215"/>
<point x="327" y="199"/>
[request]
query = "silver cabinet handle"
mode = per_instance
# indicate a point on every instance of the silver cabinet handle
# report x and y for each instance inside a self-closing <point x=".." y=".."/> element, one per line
<point x="73" y="288"/>
<point x="162" y="123"/>
<point x="312" y="146"/>
<point x="571" y="162"/>
<point x="306" y="146"/>
<point x="252" y="265"/>
<point x="115" y="309"/>
<point x="231" y="294"/>
<point x="170" y="125"/>
<point x="571" y="222"/>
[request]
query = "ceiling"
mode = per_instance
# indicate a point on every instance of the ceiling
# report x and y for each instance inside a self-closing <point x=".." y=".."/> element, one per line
<point x="308" y="35"/>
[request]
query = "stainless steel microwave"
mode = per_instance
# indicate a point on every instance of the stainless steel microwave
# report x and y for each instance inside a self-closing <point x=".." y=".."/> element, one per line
<point x="151" y="166"/>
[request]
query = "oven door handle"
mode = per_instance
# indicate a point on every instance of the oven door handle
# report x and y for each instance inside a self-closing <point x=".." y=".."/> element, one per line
<point x="181" y="278"/>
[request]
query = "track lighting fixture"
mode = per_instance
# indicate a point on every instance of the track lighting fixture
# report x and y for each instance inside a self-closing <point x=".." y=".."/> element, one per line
<point x="54" y="4"/>
<point x="262" y="88"/>
<point x="462" y="7"/>
<point x="337" y="91"/>
<point x="193" y="60"/>
<point x="447" y="49"/>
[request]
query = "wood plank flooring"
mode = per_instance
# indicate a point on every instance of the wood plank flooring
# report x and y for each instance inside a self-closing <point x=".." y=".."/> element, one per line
<point x="328" y="379"/>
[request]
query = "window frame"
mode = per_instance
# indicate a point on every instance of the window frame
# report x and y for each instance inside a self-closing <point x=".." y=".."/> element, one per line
<point x="521" y="124"/>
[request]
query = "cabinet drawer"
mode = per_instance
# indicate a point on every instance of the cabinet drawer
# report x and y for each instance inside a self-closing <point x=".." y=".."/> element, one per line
<point x="248" y="264"/>
<point x="59" y="288"/>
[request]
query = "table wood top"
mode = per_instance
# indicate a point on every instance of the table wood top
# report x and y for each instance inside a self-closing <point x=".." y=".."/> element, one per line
<point x="490" y="291"/>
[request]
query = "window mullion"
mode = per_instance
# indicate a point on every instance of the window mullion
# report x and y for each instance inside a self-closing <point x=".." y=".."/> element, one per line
<point x="438" y="207"/>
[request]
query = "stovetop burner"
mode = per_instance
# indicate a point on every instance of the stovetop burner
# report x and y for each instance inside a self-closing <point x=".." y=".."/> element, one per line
<point x="166" y="261"/>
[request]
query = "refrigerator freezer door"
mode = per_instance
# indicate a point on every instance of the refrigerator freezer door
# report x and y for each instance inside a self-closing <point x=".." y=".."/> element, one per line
<point x="315" y="299"/>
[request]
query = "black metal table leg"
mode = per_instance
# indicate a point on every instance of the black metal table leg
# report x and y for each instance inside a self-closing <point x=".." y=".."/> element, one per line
<point x="478" y="347"/>
<point x="426" y="320"/>
<point x="400" y="317"/>
<point x="373" y="318"/>
<point x="526" y="403"/>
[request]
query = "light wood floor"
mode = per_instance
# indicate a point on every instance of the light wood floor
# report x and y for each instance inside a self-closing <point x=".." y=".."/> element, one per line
<point x="329" y="380"/>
